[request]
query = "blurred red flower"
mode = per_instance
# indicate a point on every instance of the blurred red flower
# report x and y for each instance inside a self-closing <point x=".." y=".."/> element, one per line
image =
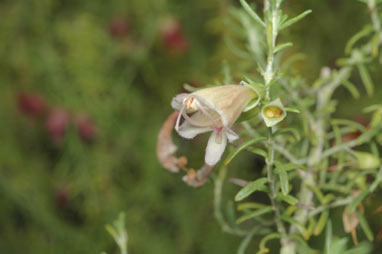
<point x="173" y="37"/>
<point x="119" y="27"/>
<point x="31" y="104"/>
<point x="57" y="123"/>
<point x="86" y="128"/>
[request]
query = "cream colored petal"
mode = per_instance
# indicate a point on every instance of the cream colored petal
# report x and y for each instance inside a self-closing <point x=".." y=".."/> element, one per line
<point x="189" y="131"/>
<point x="231" y="135"/>
<point x="177" y="101"/>
<point x="229" y="100"/>
<point x="215" y="148"/>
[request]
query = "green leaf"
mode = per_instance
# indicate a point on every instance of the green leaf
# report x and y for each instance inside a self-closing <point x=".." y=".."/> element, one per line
<point x="372" y="108"/>
<point x="293" y="131"/>
<point x="240" y="148"/>
<point x="287" y="166"/>
<point x="375" y="45"/>
<point x="366" y="79"/>
<point x="364" y="32"/>
<point x="294" y="222"/>
<point x="258" y="151"/>
<point x="284" y="182"/>
<point x="349" y="123"/>
<point x="311" y="226"/>
<point x="287" y="198"/>
<point x="269" y="30"/>
<point x="264" y="241"/>
<point x="293" y="110"/>
<point x="282" y="47"/>
<point x="226" y="73"/>
<point x="318" y="193"/>
<point x="321" y="222"/>
<point x="190" y="88"/>
<point x="351" y="88"/>
<point x="254" y="214"/>
<point x="249" y="205"/>
<point x="365" y="226"/>
<point x="258" y="185"/>
<point x="295" y="19"/>
<point x="328" y="237"/>
<point x="244" y="244"/>
<point x="252" y="13"/>
<point x="355" y="203"/>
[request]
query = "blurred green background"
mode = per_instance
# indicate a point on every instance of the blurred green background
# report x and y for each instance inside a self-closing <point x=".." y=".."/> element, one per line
<point x="85" y="87"/>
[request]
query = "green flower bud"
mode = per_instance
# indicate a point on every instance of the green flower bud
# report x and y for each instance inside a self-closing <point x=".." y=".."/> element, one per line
<point x="273" y="113"/>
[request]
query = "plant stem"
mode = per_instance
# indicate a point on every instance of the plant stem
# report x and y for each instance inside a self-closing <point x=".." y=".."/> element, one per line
<point x="272" y="28"/>
<point x="272" y="24"/>
<point x="272" y="195"/>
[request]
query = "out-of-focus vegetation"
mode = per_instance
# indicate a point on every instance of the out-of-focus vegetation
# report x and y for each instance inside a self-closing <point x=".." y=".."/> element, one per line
<point x="85" y="87"/>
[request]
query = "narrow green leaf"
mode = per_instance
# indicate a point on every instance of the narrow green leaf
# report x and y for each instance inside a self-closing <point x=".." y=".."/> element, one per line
<point x="318" y="193"/>
<point x="351" y="88"/>
<point x="349" y="123"/>
<point x="295" y="19"/>
<point x="250" y="205"/>
<point x="311" y="226"/>
<point x="244" y="244"/>
<point x="288" y="166"/>
<point x="252" y="13"/>
<point x="258" y="185"/>
<point x="263" y="251"/>
<point x="372" y="108"/>
<point x="287" y="198"/>
<point x="264" y="241"/>
<point x="366" y="79"/>
<point x="254" y="214"/>
<point x="190" y="88"/>
<point x="258" y="151"/>
<point x="293" y="110"/>
<point x="111" y="231"/>
<point x="294" y="222"/>
<point x="328" y="237"/>
<point x="240" y="148"/>
<point x="290" y="210"/>
<point x="269" y="30"/>
<point x="375" y="45"/>
<point x="226" y="73"/>
<point x="328" y="198"/>
<point x="355" y="203"/>
<point x="365" y="226"/>
<point x="284" y="182"/>
<point x="293" y="131"/>
<point x="282" y="47"/>
<point x="364" y="32"/>
<point x="321" y="222"/>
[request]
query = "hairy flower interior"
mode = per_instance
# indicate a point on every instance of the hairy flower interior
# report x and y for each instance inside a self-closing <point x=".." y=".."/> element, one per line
<point x="194" y="105"/>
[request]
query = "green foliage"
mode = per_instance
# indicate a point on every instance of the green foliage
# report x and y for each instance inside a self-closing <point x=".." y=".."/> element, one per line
<point x="108" y="62"/>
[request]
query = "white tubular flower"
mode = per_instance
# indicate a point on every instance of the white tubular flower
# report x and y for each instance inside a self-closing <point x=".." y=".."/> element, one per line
<point x="212" y="109"/>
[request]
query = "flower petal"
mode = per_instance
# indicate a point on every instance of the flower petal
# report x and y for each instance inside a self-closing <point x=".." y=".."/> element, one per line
<point x="189" y="131"/>
<point x="177" y="101"/>
<point x="231" y="135"/>
<point x="215" y="149"/>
